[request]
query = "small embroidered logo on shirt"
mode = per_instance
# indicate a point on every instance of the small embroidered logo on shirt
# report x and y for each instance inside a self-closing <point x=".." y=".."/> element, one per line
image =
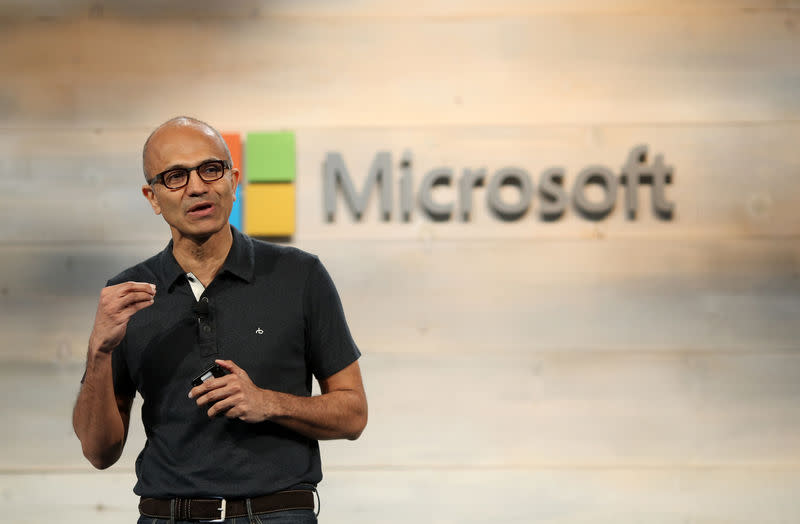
<point x="260" y="331"/>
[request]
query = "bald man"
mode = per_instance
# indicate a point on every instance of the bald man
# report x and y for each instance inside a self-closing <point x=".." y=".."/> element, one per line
<point x="221" y="335"/>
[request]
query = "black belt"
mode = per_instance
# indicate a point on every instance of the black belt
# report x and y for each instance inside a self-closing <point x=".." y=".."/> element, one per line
<point x="218" y="509"/>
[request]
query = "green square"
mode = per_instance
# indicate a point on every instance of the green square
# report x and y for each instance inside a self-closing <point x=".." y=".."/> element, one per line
<point x="270" y="157"/>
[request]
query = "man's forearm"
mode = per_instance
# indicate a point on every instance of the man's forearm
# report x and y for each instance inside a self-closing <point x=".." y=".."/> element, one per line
<point x="96" y="418"/>
<point x="340" y="412"/>
<point x="333" y="415"/>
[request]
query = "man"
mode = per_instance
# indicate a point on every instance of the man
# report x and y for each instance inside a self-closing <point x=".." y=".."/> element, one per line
<point x="242" y="444"/>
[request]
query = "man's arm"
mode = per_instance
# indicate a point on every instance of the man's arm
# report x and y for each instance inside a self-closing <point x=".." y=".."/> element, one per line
<point x="339" y="412"/>
<point x="100" y="418"/>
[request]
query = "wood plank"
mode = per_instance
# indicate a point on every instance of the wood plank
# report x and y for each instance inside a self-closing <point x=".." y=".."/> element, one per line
<point x="509" y="298"/>
<point x="360" y="8"/>
<point x="537" y="69"/>
<point x="563" y="497"/>
<point x="503" y="296"/>
<point x="553" y="496"/>
<point x="729" y="181"/>
<point x="735" y="265"/>
<point x="543" y="409"/>
<point x="456" y="8"/>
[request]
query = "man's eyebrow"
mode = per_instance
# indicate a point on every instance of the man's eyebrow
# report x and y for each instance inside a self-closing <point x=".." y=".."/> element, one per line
<point x="184" y="166"/>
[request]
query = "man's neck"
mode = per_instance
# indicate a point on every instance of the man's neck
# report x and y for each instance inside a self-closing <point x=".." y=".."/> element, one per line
<point x="202" y="257"/>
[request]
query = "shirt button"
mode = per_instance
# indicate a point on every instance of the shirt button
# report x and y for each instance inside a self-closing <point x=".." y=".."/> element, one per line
<point x="206" y="328"/>
<point x="204" y="300"/>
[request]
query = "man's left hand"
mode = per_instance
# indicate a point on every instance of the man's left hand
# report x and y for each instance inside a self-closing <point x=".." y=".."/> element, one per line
<point x="234" y="395"/>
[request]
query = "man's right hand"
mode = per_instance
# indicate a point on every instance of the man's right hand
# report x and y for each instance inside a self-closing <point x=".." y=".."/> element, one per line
<point x="117" y="305"/>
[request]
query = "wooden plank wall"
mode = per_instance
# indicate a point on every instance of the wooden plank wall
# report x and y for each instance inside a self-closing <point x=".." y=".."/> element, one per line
<point x="571" y="371"/>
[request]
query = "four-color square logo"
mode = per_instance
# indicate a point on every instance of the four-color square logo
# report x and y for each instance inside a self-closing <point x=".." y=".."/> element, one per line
<point x="264" y="204"/>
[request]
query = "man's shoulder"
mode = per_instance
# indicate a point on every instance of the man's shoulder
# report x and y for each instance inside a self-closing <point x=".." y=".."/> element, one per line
<point x="144" y="271"/>
<point x="287" y="261"/>
<point x="269" y="253"/>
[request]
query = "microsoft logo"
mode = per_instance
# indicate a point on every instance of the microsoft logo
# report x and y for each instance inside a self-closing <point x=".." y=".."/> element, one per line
<point x="265" y="197"/>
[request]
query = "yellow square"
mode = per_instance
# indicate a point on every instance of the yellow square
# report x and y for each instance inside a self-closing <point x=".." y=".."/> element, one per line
<point x="269" y="210"/>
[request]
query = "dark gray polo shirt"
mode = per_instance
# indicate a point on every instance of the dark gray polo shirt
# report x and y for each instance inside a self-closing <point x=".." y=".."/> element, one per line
<point x="275" y="312"/>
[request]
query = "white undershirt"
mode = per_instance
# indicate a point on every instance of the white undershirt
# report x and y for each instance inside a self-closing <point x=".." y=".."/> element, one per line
<point x="196" y="285"/>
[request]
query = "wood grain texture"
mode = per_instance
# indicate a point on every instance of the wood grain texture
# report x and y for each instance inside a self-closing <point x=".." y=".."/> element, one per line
<point x="729" y="181"/>
<point x="539" y="410"/>
<point x="361" y="8"/>
<point x="553" y="496"/>
<point x="502" y="296"/>
<point x="509" y="70"/>
<point x="563" y="372"/>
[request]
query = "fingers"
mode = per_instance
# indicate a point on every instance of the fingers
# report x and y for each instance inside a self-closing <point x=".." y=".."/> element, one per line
<point x="208" y="390"/>
<point x="127" y="298"/>
<point x="226" y="406"/>
<point x="122" y="310"/>
<point x="117" y="298"/>
<point x="235" y="406"/>
<point x="129" y="292"/>
<point x="134" y="298"/>
<point x="122" y="291"/>
<point x="132" y="287"/>
<point x="231" y="367"/>
<point x="140" y="305"/>
<point x="228" y="395"/>
<point x="236" y="412"/>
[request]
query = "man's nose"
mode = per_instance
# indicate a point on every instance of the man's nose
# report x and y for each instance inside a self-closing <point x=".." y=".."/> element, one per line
<point x="196" y="185"/>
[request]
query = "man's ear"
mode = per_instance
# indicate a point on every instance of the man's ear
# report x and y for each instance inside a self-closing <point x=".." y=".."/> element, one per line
<point x="150" y="195"/>
<point x="235" y="177"/>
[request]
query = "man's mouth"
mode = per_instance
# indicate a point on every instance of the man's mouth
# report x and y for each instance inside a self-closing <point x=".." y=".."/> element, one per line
<point x="201" y="209"/>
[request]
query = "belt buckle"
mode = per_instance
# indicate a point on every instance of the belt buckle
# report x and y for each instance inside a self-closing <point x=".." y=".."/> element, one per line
<point x="222" y="510"/>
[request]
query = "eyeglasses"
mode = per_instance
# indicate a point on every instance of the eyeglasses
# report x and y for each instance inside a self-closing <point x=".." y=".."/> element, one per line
<point x="178" y="177"/>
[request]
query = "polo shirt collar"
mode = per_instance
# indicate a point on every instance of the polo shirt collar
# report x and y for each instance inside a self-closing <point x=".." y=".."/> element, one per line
<point x="241" y="257"/>
<point x="171" y="271"/>
<point x="239" y="262"/>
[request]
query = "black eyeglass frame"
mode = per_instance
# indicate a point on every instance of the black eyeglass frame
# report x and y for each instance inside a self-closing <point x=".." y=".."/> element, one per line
<point x="160" y="177"/>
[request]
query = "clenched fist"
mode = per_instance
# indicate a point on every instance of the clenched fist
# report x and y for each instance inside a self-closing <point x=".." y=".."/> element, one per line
<point x="116" y="306"/>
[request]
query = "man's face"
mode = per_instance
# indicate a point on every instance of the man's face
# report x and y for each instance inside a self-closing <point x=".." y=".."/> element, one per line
<point x="199" y="209"/>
